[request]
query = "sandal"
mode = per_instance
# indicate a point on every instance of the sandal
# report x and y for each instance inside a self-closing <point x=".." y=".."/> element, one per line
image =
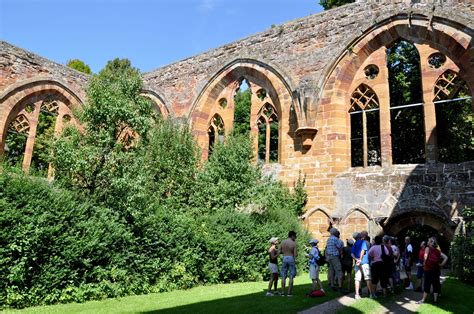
<point x="419" y="302"/>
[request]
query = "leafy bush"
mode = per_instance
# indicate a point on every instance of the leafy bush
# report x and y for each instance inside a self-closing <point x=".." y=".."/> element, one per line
<point x="462" y="249"/>
<point x="137" y="215"/>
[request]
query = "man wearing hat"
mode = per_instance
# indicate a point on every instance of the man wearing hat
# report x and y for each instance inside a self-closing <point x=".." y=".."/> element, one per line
<point x="273" y="266"/>
<point x="313" y="265"/>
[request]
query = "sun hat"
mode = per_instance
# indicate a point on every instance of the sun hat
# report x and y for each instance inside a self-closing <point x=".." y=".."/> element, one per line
<point x="315" y="241"/>
<point x="273" y="240"/>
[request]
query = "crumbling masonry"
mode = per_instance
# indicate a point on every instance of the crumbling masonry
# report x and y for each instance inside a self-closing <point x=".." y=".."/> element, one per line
<point x="312" y="74"/>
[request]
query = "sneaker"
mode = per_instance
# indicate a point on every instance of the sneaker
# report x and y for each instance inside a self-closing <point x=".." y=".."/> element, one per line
<point x="289" y="295"/>
<point x="276" y="293"/>
<point x="410" y="287"/>
<point x="373" y="296"/>
<point x="269" y="294"/>
<point x="357" y="297"/>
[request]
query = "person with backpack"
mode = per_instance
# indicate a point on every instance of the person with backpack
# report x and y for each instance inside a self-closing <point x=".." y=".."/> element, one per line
<point x="379" y="255"/>
<point x="433" y="260"/>
<point x="314" y="256"/>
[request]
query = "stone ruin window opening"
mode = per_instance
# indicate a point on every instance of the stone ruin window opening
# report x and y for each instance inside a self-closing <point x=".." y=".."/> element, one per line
<point x="267" y="123"/>
<point x="371" y="71"/>
<point x="45" y="131"/>
<point x="242" y="108"/>
<point x="223" y="103"/>
<point x="261" y="94"/>
<point x="406" y="103"/>
<point x="215" y="132"/>
<point x="436" y="60"/>
<point x="15" y="143"/>
<point x="454" y="119"/>
<point x="365" y="128"/>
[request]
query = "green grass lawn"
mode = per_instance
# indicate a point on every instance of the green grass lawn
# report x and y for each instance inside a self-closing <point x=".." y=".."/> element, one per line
<point x="239" y="298"/>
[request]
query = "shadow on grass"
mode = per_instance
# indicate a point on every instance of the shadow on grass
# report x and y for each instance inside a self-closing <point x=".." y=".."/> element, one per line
<point x="254" y="303"/>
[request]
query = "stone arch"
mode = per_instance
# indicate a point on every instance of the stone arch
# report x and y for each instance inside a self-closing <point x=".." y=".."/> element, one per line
<point x="17" y="97"/>
<point x="224" y="85"/>
<point x="317" y="221"/>
<point x="447" y="36"/>
<point x="159" y="103"/>
<point x="450" y="38"/>
<point x="356" y="219"/>
<point x="445" y="227"/>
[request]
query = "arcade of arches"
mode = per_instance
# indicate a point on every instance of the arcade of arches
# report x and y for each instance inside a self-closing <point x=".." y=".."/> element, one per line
<point x="382" y="131"/>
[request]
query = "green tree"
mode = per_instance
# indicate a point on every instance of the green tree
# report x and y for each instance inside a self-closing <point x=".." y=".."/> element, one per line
<point x="243" y="103"/>
<point x="116" y="120"/>
<point x="408" y="140"/>
<point x="79" y="65"/>
<point x="329" y="4"/>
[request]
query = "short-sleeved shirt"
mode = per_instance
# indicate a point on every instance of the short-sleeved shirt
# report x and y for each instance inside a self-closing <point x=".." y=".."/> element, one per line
<point x="333" y="246"/>
<point x="315" y="253"/>
<point x="375" y="253"/>
<point x="357" y="248"/>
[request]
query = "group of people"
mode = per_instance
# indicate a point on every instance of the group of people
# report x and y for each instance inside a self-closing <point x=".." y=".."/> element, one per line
<point x="379" y="261"/>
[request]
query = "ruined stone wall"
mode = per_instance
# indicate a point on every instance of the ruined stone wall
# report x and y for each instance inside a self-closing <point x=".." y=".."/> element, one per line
<point x="309" y="67"/>
<point x="439" y="190"/>
<point x="19" y="66"/>
<point x="300" y="50"/>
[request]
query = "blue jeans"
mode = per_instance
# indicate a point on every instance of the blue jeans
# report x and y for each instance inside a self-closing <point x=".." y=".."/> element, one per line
<point x="288" y="264"/>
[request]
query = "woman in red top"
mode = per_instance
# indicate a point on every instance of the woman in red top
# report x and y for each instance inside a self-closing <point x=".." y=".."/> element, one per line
<point x="433" y="260"/>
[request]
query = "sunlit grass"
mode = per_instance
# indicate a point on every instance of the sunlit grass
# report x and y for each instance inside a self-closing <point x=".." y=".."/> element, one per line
<point x="239" y="298"/>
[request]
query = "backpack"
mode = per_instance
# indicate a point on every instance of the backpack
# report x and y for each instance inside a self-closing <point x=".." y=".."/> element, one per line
<point x="322" y="260"/>
<point x="317" y="293"/>
<point x="386" y="258"/>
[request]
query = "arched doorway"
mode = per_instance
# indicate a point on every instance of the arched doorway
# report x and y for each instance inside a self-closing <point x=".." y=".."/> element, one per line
<point x="419" y="226"/>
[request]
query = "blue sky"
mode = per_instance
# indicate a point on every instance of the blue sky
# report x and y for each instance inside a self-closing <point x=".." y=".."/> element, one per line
<point x="150" y="33"/>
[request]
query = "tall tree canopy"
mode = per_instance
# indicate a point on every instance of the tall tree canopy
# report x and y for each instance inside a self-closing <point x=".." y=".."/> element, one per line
<point x="79" y="65"/>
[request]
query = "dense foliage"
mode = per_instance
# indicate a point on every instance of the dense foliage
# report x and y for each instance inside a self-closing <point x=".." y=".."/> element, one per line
<point x="462" y="249"/>
<point x="408" y="140"/>
<point x="79" y="65"/>
<point x="132" y="210"/>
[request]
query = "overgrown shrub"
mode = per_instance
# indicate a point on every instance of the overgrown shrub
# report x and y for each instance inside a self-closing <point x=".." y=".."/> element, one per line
<point x="462" y="249"/>
<point x="136" y="216"/>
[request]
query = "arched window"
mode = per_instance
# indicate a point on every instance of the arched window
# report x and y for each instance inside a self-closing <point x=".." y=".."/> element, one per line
<point x="365" y="127"/>
<point x="47" y="120"/>
<point x="406" y="103"/>
<point x="215" y="131"/>
<point x="15" y="144"/>
<point x="454" y="118"/>
<point x="267" y="122"/>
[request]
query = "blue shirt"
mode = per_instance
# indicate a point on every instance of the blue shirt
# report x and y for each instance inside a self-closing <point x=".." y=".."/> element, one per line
<point x="358" y="247"/>
<point x="333" y="246"/>
<point x="315" y="253"/>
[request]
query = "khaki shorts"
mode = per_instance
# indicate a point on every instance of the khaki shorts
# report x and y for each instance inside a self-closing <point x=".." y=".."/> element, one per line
<point x="273" y="268"/>
<point x="363" y="269"/>
<point x="313" y="271"/>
